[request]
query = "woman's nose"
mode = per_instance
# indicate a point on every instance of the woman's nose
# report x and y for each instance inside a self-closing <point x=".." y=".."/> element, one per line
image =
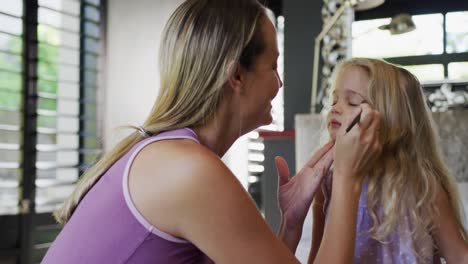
<point x="280" y="82"/>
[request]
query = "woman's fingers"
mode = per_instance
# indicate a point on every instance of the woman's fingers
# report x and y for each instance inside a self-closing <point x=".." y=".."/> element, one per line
<point x="377" y="147"/>
<point x="323" y="164"/>
<point x="319" y="154"/>
<point x="312" y="176"/>
<point x="327" y="161"/>
<point x="371" y="133"/>
<point x="367" y="117"/>
<point x="282" y="169"/>
<point x="375" y="122"/>
<point x="348" y="126"/>
<point x="369" y="123"/>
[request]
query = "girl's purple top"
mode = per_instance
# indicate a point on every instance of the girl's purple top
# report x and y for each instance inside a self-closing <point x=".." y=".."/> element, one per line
<point x="399" y="245"/>
<point x="106" y="227"/>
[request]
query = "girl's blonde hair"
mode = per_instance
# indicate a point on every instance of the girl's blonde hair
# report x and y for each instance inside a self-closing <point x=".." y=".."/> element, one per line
<point x="203" y="42"/>
<point x="403" y="184"/>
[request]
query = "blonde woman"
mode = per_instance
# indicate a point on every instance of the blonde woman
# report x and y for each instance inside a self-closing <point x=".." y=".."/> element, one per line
<point x="409" y="209"/>
<point x="163" y="195"/>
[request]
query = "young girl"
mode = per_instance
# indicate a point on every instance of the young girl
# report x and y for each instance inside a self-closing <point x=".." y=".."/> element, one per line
<point x="409" y="209"/>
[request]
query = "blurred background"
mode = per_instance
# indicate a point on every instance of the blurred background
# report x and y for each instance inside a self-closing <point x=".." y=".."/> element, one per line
<point x="72" y="72"/>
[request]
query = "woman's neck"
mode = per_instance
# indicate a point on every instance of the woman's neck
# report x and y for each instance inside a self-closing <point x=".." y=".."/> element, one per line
<point x="220" y="132"/>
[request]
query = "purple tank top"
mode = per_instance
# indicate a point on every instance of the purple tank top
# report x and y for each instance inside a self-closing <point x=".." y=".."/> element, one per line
<point x="106" y="227"/>
<point x="399" y="247"/>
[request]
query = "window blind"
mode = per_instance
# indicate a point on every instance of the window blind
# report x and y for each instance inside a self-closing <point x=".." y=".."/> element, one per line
<point x="49" y="74"/>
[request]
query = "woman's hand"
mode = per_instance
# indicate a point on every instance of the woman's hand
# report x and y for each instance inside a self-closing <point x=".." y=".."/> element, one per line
<point x="295" y="194"/>
<point x="356" y="150"/>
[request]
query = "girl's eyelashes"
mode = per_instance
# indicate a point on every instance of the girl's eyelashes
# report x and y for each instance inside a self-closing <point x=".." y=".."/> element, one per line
<point x="351" y="100"/>
<point x="352" y="103"/>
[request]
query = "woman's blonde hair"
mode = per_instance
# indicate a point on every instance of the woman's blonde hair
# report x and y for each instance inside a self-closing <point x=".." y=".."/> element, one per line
<point x="203" y="42"/>
<point x="403" y="184"/>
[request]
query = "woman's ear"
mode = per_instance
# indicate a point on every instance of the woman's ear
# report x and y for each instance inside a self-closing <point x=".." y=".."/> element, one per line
<point x="237" y="78"/>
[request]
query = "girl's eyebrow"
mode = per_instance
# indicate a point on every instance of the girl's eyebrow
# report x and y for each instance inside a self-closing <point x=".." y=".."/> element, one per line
<point x="354" y="92"/>
<point x="349" y="91"/>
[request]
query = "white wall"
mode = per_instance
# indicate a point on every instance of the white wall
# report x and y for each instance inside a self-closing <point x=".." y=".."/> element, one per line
<point x="236" y="159"/>
<point x="463" y="189"/>
<point x="131" y="82"/>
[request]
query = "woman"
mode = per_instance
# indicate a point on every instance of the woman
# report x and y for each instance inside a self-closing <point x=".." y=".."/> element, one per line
<point x="162" y="195"/>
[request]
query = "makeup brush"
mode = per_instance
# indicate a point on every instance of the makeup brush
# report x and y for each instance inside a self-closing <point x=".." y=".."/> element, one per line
<point x="354" y="122"/>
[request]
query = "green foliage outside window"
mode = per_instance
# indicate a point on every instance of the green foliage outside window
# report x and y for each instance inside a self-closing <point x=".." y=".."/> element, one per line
<point x="48" y="72"/>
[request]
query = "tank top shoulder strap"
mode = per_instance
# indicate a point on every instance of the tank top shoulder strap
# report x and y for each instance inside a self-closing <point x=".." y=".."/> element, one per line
<point x="184" y="133"/>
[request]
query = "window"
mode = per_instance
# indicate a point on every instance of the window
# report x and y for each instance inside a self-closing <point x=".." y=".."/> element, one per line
<point x="370" y="41"/>
<point x="49" y="70"/>
<point x="11" y="60"/>
<point x="457" y="33"/>
<point x="458" y="70"/>
<point x="436" y="50"/>
<point x="427" y="72"/>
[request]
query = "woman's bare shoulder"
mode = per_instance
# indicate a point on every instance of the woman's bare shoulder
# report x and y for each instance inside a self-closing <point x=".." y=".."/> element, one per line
<point x="178" y="157"/>
<point x="167" y="178"/>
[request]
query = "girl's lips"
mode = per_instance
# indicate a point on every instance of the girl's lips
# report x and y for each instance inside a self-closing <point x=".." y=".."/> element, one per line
<point x="334" y="124"/>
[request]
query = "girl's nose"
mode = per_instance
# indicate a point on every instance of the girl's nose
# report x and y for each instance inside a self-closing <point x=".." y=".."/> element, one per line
<point x="336" y="109"/>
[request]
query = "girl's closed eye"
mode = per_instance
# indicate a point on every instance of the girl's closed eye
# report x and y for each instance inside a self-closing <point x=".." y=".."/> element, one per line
<point x="334" y="99"/>
<point x="355" y="101"/>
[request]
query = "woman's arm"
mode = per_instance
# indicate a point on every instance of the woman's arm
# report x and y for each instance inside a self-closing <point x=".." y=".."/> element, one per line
<point x="295" y="194"/>
<point x="186" y="191"/>
<point x="447" y="236"/>
<point x="318" y="224"/>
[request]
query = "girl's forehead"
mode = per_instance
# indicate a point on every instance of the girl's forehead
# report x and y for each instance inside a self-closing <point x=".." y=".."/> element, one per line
<point x="351" y="80"/>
